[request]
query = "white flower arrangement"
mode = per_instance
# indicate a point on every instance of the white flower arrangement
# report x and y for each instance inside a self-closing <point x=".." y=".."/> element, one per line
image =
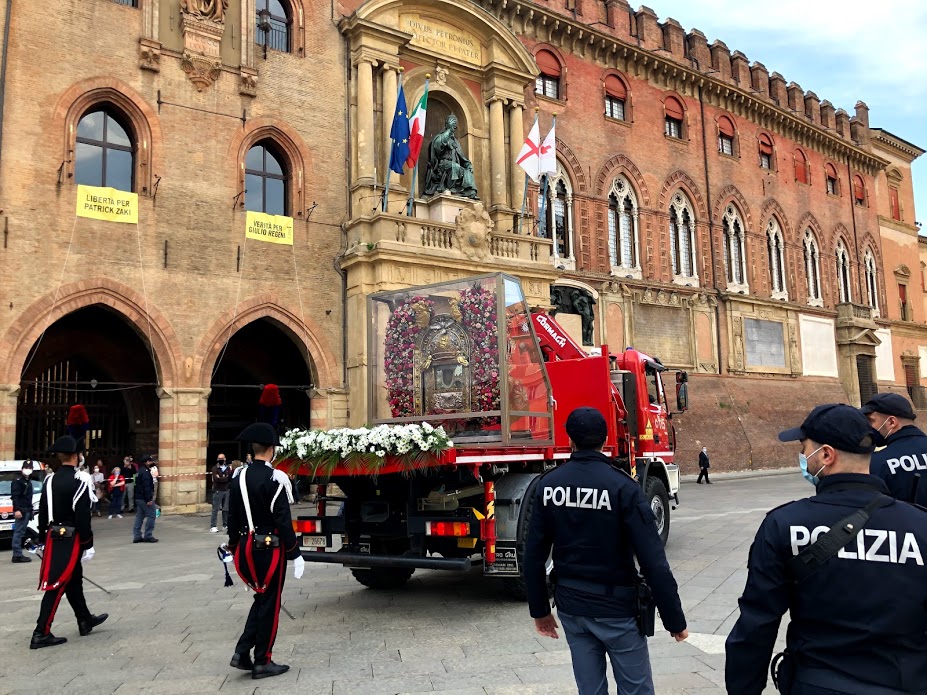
<point x="365" y="447"/>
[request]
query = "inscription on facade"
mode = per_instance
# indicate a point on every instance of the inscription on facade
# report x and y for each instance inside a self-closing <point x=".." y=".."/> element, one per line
<point x="440" y="37"/>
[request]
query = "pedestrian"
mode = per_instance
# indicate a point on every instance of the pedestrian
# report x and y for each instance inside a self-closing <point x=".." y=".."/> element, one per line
<point x="130" y="471"/>
<point x="902" y="464"/>
<point x="703" y="465"/>
<point x="848" y="566"/>
<point x="145" y="505"/>
<point x="117" y="488"/>
<point x="21" y="497"/>
<point x="99" y="486"/>
<point x="262" y="538"/>
<point x="594" y="540"/>
<point x="64" y="521"/>
<point x="155" y="478"/>
<point x="221" y="475"/>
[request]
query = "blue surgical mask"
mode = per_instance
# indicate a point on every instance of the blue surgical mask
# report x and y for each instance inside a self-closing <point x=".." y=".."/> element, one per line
<point x="803" y="464"/>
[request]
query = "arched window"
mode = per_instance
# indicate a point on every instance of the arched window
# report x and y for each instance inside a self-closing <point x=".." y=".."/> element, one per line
<point x="843" y="273"/>
<point x="616" y="97"/>
<point x="105" y="152"/>
<point x="726" y="136"/>
<point x="813" y="268"/>
<point x="766" y="151"/>
<point x="801" y="166"/>
<point x="266" y="179"/>
<point x="734" y="256"/>
<point x="674" y="118"/>
<point x="872" y="282"/>
<point x="830" y="179"/>
<point x="557" y="219"/>
<point x="776" y="260"/>
<point x="859" y="190"/>
<point x="682" y="237"/>
<point x="548" y="82"/>
<point x="273" y="24"/>
<point x="622" y="227"/>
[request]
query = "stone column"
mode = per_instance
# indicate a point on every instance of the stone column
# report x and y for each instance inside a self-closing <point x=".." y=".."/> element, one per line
<point x="366" y="135"/>
<point x="390" y="85"/>
<point x="497" y="153"/>
<point x="516" y="140"/>
<point x="9" y="398"/>
<point x="182" y="448"/>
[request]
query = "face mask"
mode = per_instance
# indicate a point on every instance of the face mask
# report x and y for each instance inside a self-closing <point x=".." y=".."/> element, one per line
<point x="803" y="464"/>
<point x="221" y="464"/>
<point x="27" y="472"/>
<point x="877" y="437"/>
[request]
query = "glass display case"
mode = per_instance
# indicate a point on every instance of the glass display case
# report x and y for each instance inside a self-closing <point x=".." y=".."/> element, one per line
<point x="463" y="355"/>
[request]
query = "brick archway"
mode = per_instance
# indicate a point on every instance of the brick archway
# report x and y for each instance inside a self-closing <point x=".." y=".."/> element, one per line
<point x="23" y="333"/>
<point x="322" y="361"/>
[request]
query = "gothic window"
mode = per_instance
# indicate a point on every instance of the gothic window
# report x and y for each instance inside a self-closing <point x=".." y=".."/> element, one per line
<point x="734" y="256"/>
<point x="843" y="273"/>
<point x="622" y="226"/>
<point x="830" y="179"/>
<point x="725" y="136"/>
<point x="616" y="96"/>
<point x="766" y="151"/>
<point x="548" y="82"/>
<point x="776" y="249"/>
<point x="872" y="283"/>
<point x="682" y="236"/>
<point x="813" y="268"/>
<point x="556" y="219"/>
<point x="266" y="179"/>
<point x="674" y="117"/>
<point x="273" y="24"/>
<point x="105" y="150"/>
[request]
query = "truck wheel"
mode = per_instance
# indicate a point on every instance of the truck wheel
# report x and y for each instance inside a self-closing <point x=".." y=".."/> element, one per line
<point x="383" y="578"/>
<point x="658" y="501"/>
<point x="515" y="586"/>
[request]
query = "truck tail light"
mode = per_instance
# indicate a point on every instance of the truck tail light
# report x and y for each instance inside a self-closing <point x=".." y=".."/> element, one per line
<point x="447" y="528"/>
<point x="310" y="526"/>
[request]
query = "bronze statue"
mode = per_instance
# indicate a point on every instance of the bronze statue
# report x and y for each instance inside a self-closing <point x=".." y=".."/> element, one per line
<point x="448" y="168"/>
<point x="582" y="305"/>
<point x="213" y="10"/>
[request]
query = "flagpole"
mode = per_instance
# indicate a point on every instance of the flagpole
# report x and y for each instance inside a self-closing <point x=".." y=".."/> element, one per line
<point x="392" y="145"/>
<point x="553" y="230"/>
<point x="524" y="197"/>
<point x="415" y="169"/>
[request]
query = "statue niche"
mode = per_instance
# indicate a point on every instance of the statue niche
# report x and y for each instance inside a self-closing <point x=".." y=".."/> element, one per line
<point x="448" y="169"/>
<point x="445" y="367"/>
<point x="212" y="10"/>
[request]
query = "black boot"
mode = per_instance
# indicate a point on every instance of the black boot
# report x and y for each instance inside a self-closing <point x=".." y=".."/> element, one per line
<point x="267" y="670"/>
<point x="21" y="558"/>
<point x="242" y="661"/>
<point x="39" y="640"/>
<point x="86" y="626"/>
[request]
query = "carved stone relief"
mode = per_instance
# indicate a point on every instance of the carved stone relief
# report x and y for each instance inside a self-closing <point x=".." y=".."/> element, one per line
<point x="203" y="24"/>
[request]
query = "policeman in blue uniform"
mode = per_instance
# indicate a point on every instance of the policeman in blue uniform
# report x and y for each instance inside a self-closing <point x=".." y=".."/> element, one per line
<point x="858" y="616"/>
<point x="595" y="518"/>
<point x="902" y="464"/>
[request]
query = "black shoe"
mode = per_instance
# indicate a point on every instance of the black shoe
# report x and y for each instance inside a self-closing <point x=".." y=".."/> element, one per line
<point x="709" y="482"/>
<point x="21" y="558"/>
<point x="39" y="640"/>
<point x="85" y="627"/>
<point x="137" y="540"/>
<point x="151" y="540"/>
<point x="268" y="670"/>
<point x="242" y="661"/>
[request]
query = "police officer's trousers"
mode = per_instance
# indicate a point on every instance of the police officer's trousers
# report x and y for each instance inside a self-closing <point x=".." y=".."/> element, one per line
<point x="591" y="638"/>
<point x="74" y="590"/>
<point x="261" y="627"/>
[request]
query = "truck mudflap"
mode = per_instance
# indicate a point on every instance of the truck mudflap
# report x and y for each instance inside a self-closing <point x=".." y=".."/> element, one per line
<point x="365" y="560"/>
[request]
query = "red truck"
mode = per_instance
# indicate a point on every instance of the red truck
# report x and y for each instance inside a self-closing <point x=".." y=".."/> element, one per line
<point x="470" y="356"/>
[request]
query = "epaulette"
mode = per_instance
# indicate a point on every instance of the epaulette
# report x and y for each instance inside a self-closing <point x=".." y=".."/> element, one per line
<point x="283" y="479"/>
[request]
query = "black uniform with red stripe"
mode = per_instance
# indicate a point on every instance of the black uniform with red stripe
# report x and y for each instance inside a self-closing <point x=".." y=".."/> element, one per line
<point x="68" y="491"/>
<point x="261" y="568"/>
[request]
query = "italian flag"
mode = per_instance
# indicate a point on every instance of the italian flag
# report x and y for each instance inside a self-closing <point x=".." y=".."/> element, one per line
<point x="417" y="128"/>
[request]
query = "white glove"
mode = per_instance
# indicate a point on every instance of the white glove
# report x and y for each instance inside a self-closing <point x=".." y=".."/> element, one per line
<point x="88" y="555"/>
<point x="299" y="566"/>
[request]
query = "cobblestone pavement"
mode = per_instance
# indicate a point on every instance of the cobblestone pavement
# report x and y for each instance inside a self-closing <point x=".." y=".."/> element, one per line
<point x="173" y="624"/>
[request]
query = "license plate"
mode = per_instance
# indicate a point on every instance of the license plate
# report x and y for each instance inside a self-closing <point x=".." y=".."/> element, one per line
<point x="315" y="541"/>
<point x="6" y="526"/>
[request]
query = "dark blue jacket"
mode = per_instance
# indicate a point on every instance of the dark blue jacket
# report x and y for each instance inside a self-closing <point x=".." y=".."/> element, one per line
<point x="21" y="494"/>
<point x="144" y="485"/>
<point x="904" y="456"/>
<point x="595" y="518"/>
<point x="856" y="625"/>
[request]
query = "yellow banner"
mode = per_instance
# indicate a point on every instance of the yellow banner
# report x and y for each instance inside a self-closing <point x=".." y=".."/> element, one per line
<point x="276" y="229"/>
<point x="107" y="204"/>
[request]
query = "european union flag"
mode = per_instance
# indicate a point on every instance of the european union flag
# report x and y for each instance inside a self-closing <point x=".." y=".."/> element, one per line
<point x="399" y="133"/>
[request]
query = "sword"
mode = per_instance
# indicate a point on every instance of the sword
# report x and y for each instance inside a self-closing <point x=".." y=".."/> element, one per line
<point x="283" y="608"/>
<point x="37" y="550"/>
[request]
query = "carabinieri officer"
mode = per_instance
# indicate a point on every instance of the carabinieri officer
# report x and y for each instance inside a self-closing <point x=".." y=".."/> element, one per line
<point x="902" y="464"/>
<point x="262" y="539"/>
<point x="595" y="518"/>
<point x="858" y="603"/>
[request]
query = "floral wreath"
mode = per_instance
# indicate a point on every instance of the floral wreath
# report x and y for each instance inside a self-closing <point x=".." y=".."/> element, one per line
<point x="477" y="307"/>
<point x="407" y="320"/>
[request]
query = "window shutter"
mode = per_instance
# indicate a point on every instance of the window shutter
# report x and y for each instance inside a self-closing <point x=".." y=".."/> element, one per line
<point x="725" y="127"/>
<point x="548" y="64"/>
<point x="765" y="145"/>
<point x="893" y="199"/>
<point x="673" y="109"/>
<point x="614" y="87"/>
<point x="903" y="293"/>
<point x="831" y="171"/>
<point x="859" y="192"/>
<point x="801" y="167"/>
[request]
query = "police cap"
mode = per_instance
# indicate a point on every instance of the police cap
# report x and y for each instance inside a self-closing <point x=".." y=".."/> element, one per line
<point x="65" y="445"/>
<point x="889" y="404"/>
<point x="841" y="426"/>
<point x="587" y="428"/>
<point x="259" y="433"/>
